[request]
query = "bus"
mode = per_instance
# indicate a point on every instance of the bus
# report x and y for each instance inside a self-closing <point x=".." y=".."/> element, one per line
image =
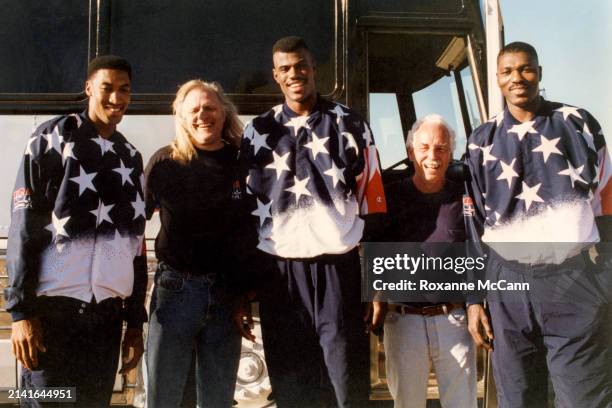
<point x="390" y="60"/>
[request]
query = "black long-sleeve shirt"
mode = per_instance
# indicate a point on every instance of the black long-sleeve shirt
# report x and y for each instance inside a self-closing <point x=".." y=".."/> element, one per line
<point x="201" y="211"/>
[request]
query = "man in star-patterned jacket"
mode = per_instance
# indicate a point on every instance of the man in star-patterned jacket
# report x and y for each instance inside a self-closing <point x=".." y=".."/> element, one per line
<point x="312" y="172"/>
<point x="541" y="174"/>
<point x="75" y="254"/>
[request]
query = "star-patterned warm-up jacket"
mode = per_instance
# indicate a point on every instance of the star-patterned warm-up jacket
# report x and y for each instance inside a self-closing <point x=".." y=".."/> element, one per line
<point x="537" y="181"/>
<point x="310" y="178"/>
<point x="78" y="219"/>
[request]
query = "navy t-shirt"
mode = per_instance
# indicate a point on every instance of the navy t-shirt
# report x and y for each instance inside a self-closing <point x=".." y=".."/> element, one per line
<point x="414" y="216"/>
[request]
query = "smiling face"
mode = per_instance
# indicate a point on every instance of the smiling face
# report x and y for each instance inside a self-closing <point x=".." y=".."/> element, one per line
<point x="518" y="77"/>
<point x="204" y="115"/>
<point x="109" y="92"/>
<point x="430" y="153"/>
<point x="294" y="72"/>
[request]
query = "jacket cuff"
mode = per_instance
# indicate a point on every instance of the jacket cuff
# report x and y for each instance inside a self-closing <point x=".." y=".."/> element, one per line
<point x="136" y="320"/>
<point x="135" y="325"/>
<point x="474" y="299"/>
<point x="18" y="315"/>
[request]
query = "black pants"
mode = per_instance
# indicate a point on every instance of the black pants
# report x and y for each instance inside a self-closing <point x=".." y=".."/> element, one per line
<point x="313" y="331"/>
<point x="82" y="342"/>
<point x="560" y="327"/>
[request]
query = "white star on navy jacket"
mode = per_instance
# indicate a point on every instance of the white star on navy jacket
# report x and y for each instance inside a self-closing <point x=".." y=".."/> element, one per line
<point x="93" y="183"/>
<point x="78" y="212"/>
<point x="522" y="171"/>
<point x="309" y="177"/>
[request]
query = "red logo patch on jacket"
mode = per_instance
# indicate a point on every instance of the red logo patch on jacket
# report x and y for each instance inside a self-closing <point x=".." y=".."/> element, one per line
<point x="468" y="206"/>
<point x="22" y="199"/>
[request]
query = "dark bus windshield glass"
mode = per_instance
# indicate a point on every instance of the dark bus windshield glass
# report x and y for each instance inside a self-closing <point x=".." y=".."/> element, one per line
<point x="170" y="42"/>
<point x="43" y="46"/>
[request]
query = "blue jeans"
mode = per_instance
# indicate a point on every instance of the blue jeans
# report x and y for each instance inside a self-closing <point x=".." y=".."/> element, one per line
<point x="190" y="313"/>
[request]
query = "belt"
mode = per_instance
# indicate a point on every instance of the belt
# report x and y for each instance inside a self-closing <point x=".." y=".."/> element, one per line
<point x="110" y="307"/>
<point x="209" y="278"/>
<point x="433" y="310"/>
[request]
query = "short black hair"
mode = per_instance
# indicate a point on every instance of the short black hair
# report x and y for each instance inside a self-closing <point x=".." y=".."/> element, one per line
<point x="518" y="46"/>
<point x="109" y="62"/>
<point x="290" y="44"/>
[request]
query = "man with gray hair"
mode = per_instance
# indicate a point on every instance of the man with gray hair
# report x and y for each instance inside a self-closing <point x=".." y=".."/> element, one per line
<point x="427" y="207"/>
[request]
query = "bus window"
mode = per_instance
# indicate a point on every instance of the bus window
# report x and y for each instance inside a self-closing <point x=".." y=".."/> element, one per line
<point x="171" y="42"/>
<point x="44" y="46"/>
<point x="415" y="6"/>
<point x="470" y="96"/>
<point x="387" y="129"/>
<point x="413" y="75"/>
<point x="442" y="97"/>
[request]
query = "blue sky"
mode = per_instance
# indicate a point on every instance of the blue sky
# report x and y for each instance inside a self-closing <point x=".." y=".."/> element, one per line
<point x="574" y="44"/>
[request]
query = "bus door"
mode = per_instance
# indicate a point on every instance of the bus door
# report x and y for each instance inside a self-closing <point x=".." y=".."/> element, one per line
<point x="408" y="72"/>
<point x="412" y="75"/>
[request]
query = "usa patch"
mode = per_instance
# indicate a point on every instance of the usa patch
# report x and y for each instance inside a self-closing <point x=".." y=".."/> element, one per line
<point x="236" y="191"/>
<point x="22" y="199"/>
<point x="468" y="206"/>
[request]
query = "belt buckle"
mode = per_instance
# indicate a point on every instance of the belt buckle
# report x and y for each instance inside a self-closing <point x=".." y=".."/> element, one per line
<point x="401" y="309"/>
<point x="433" y="310"/>
<point x="210" y="278"/>
<point x="429" y="310"/>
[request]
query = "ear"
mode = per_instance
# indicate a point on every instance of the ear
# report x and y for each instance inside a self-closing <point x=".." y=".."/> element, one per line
<point x="277" y="76"/>
<point x="411" y="153"/>
<point x="88" y="87"/>
<point x="313" y="63"/>
<point x="539" y="73"/>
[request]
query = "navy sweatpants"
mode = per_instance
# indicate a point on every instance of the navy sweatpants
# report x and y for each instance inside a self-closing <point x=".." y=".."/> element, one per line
<point x="82" y="342"/>
<point x="313" y="330"/>
<point x="560" y="327"/>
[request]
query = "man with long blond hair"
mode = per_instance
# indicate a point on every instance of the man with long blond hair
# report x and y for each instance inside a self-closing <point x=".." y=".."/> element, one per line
<point x="194" y="184"/>
<point x="183" y="146"/>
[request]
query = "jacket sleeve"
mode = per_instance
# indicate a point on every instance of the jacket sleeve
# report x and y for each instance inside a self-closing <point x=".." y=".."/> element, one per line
<point x="250" y="265"/>
<point x="602" y="195"/>
<point x="151" y="186"/>
<point x="378" y="226"/>
<point x="474" y="217"/>
<point x="135" y="312"/>
<point x="28" y="236"/>
<point x="246" y="266"/>
<point x="370" y="191"/>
